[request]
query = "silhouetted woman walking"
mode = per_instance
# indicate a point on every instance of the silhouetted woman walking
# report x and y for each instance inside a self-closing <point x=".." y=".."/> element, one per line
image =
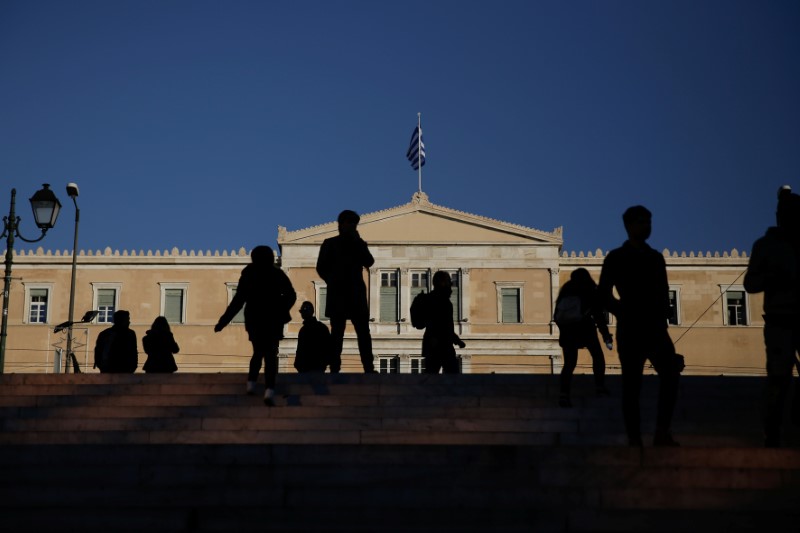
<point x="579" y="314"/>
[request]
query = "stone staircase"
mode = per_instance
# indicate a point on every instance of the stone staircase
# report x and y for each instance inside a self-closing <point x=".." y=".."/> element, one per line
<point x="389" y="452"/>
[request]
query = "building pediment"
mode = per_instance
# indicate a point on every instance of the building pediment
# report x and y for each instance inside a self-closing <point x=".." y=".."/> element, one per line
<point x="422" y="222"/>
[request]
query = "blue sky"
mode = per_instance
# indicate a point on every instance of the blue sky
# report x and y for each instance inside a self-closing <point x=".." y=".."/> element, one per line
<point x="204" y="125"/>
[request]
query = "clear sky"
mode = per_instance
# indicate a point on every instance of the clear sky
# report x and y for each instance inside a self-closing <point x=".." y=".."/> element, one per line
<point x="204" y="125"/>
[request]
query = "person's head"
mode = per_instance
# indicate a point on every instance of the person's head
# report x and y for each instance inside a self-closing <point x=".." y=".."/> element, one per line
<point x="122" y="319"/>
<point x="442" y="282"/>
<point x="582" y="277"/>
<point x="160" y="324"/>
<point x="348" y="221"/>
<point x="262" y="255"/>
<point x="788" y="214"/>
<point x="638" y="223"/>
<point x="306" y="310"/>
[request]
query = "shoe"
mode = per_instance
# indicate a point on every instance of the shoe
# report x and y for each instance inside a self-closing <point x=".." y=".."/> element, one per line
<point x="564" y="401"/>
<point x="251" y="388"/>
<point x="269" y="398"/>
<point x="603" y="391"/>
<point x="373" y="371"/>
<point x="664" y="439"/>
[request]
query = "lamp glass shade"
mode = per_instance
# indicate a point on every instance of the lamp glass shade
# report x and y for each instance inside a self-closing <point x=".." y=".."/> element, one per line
<point x="45" y="207"/>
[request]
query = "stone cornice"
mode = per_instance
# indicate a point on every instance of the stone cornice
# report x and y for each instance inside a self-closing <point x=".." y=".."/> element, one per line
<point x="420" y="203"/>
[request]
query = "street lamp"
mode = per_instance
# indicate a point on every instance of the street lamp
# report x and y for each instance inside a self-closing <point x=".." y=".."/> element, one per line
<point x="72" y="192"/>
<point x="45" y="207"/>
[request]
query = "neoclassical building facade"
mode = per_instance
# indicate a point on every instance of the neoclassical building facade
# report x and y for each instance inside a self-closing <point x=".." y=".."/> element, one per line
<point x="506" y="279"/>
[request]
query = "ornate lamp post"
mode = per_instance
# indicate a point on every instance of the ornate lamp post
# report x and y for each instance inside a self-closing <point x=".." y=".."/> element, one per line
<point x="45" y="207"/>
<point x="72" y="192"/>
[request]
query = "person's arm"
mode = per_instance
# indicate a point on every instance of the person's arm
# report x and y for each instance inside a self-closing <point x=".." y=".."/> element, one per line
<point x="238" y="301"/>
<point x="756" y="278"/>
<point x="365" y="257"/>
<point x="175" y="347"/>
<point x="324" y="262"/>
<point x="599" y="317"/>
<point x="665" y="287"/>
<point x="606" y="285"/>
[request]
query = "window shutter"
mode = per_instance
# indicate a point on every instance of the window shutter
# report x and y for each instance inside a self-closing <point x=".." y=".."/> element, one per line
<point x="510" y="303"/>
<point x="173" y="305"/>
<point x="388" y="304"/>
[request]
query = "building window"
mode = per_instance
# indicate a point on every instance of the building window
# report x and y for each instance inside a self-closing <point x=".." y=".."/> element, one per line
<point x="239" y="318"/>
<point x="389" y="296"/>
<point x="173" y="302"/>
<point x="417" y="365"/>
<point x="37" y="303"/>
<point x="509" y="302"/>
<point x="420" y="282"/>
<point x="389" y="364"/>
<point x="105" y="299"/>
<point x="674" y="308"/>
<point x="736" y="306"/>
<point x="37" y="307"/>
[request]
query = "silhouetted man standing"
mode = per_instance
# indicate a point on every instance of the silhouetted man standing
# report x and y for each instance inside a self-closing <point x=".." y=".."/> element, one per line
<point x="341" y="263"/>
<point x="774" y="269"/>
<point x="639" y="274"/>
<point x="267" y="296"/>
<point x="115" y="351"/>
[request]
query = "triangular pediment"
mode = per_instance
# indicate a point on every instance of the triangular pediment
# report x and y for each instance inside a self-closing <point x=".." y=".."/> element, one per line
<point x="421" y="222"/>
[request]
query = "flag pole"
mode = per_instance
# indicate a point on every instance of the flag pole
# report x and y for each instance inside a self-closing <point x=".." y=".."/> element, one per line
<point x="419" y="149"/>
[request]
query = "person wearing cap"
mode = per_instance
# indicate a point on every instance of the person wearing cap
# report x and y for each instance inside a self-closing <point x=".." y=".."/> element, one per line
<point x="341" y="263"/>
<point x="313" y="343"/>
<point x="774" y="269"/>
<point x="267" y="295"/>
<point x="115" y="351"/>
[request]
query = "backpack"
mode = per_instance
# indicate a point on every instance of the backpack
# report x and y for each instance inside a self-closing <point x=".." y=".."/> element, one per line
<point x="419" y="310"/>
<point x="568" y="311"/>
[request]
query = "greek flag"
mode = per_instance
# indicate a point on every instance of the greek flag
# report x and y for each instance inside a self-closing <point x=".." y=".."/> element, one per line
<point x="416" y="150"/>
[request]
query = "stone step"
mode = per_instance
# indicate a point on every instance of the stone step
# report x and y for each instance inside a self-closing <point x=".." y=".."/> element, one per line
<point x="354" y="452"/>
<point x="395" y="488"/>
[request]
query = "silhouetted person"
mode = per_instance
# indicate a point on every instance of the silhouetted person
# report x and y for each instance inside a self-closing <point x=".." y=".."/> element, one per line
<point x="640" y="276"/>
<point x="580" y="331"/>
<point x="159" y="345"/>
<point x="267" y="295"/>
<point x="341" y="263"/>
<point x="774" y="269"/>
<point x="440" y="334"/>
<point x="115" y="351"/>
<point x="313" y="342"/>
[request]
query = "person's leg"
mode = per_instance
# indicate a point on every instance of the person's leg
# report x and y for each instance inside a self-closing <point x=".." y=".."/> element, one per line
<point x="665" y="361"/>
<point x="567" y="369"/>
<point x="255" y="361"/>
<point x="780" y="366"/>
<point x="598" y="365"/>
<point x="337" y="339"/>
<point x="632" y="365"/>
<point x="361" y="326"/>
<point x="267" y="349"/>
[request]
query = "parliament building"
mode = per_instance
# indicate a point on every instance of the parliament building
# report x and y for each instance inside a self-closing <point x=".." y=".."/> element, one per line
<point x="506" y="279"/>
